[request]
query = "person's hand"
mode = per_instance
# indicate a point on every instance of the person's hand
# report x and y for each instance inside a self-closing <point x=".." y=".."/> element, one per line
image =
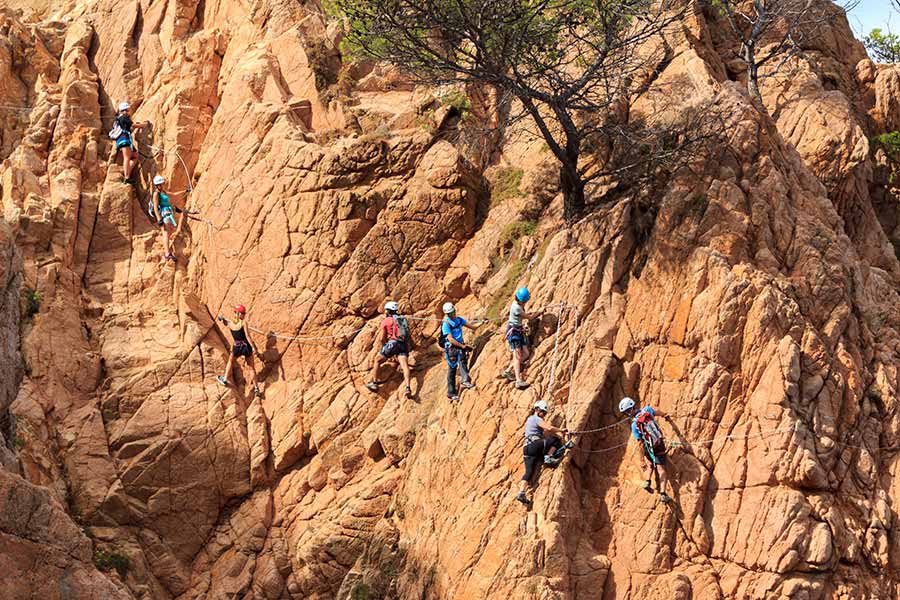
<point x="161" y="223"/>
<point x="468" y="349"/>
<point x="221" y="318"/>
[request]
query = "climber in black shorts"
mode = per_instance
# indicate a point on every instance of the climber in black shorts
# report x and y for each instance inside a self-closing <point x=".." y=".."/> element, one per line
<point x="241" y="347"/>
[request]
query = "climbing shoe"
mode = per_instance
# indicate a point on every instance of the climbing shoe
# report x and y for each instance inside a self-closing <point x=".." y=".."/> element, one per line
<point x="257" y="392"/>
<point x="508" y="375"/>
<point x="372" y="386"/>
<point x="170" y="257"/>
<point x="569" y="445"/>
<point x="551" y="461"/>
<point x="453" y="397"/>
<point x="521" y="385"/>
<point x="521" y="497"/>
<point x="664" y="498"/>
<point x="468" y="385"/>
<point x="221" y="379"/>
<point x="647" y="486"/>
<point x="409" y="393"/>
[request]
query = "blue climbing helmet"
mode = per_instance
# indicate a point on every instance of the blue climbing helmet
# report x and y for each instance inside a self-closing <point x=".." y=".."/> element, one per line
<point x="523" y="295"/>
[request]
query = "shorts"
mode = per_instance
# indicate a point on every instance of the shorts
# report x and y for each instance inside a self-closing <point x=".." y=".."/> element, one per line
<point x="395" y="348"/>
<point x="515" y="337"/>
<point x="534" y="454"/>
<point x="168" y="218"/>
<point x="658" y="456"/>
<point x="124" y="141"/>
<point x="241" y="349"/>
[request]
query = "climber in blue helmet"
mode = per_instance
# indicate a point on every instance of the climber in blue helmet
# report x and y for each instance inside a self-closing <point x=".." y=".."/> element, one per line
<point x="517" y="338"/>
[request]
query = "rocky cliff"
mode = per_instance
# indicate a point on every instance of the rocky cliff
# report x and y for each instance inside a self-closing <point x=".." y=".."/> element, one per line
<point x="755" y="299"/>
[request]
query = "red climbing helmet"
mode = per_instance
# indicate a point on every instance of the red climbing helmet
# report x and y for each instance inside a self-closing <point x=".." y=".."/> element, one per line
<point x="241" y="309"/>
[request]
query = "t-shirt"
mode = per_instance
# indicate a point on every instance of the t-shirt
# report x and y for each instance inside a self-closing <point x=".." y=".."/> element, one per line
<point x="533" y="427"/>
<point x="634" y="428"/>
<point x="453" y="328"/>
<point x="389" y="325"/>
<point x="515" y="314"/>
<point x="125" y="123"/>
<point x="164" y="202"/>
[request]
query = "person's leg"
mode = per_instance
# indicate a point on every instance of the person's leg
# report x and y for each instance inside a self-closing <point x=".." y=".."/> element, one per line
<point x="464" y="376"/>
<point x="373" y="376"/>
<point x="252" y="365"/>
<point x="517" y="363"/>
<point x="663" y="476"/>
<point x="403" y="359"/>
<point x="227" y="375"/>
<point x="646" y="469"/>
<point x="166" y="245"/>
<point x="127" y="162"/>
<point x="451" y="379"/>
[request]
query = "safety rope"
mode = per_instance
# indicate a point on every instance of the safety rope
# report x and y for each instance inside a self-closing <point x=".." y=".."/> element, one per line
<point x="552" y="379"/>
<point x="728" y="438"/>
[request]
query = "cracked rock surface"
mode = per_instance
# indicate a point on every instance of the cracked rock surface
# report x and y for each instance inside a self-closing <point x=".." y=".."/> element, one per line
<point x="756" y="301"/>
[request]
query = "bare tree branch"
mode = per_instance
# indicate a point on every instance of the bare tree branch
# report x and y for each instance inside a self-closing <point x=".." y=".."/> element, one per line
<point x="776" y="29"/>
<point x="572" y="66"/>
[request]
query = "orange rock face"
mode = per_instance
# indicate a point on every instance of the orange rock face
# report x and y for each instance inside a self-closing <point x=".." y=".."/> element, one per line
<point x="755" y="302"/>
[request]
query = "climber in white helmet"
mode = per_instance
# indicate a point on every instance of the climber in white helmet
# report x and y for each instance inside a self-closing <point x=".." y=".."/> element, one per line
<point x="538" y="446"/>
<point x="646" y="431"/>
<point x="163" y="213"/>
<point x="123" y="132"/>
<point x="455" y="349"/>
<point x="393" y="339"/>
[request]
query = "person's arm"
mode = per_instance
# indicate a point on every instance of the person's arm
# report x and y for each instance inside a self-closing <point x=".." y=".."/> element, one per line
<point x="551" y="429"/>
<point x="532" y="315"/>
<point x="224" y="321"/>
<point x="472" y="326"/>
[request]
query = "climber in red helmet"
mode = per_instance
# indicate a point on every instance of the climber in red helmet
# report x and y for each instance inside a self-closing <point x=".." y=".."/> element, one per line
<point x="241" y="347"/>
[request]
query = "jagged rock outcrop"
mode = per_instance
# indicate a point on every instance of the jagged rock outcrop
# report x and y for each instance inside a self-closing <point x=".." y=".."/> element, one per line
<point x="756" y="302"/>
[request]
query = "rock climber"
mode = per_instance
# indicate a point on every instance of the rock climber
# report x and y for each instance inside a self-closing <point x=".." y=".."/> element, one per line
<point x="538" y="447"/>
<point x="646" y="431"/>
<point x="455" y="350"/>
<point x="241" y="346"/>
<point x="518" y="339"/>
<point x="164" y="213"/>
<point x="126" y="129"/>
<point x="393" y="339"/>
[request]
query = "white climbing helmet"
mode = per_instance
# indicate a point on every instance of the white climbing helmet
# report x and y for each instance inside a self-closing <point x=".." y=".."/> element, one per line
<point x="159" y="180"/>
<point x="391" y="306"/>
<point x="124" y="106"/>
<point x="449" y="308"/>
<point x="625" y="404"/>
<point x="542" y="405"/>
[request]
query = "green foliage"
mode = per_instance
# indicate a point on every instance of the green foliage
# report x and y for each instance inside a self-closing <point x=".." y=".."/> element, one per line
<point x="321" y="58"/>
<point x="458" y="100"/>
<point x="108" y="561"/>
<point x="505" y="184"/>
<point x="511" y="234"/>
<point x="32" y="303"/>
<point x="889" y="142"/>
<point x="502" y="297"/>
<point x="883" y="46"/>
<point x="360" y="591"/>
<point x="383" y="565"/>
<point x="19" y="442"/>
